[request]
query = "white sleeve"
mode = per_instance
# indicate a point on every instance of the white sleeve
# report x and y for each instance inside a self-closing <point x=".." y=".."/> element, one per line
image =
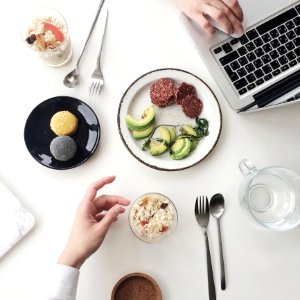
<point x="63" y="283"/>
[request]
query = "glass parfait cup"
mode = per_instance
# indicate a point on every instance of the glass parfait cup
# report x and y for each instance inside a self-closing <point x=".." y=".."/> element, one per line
<point x="152" y="217"/>
<point x="45" y="31"/>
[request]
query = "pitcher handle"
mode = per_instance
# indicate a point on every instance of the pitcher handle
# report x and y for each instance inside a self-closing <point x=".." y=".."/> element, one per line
<point x="247" y="167"/>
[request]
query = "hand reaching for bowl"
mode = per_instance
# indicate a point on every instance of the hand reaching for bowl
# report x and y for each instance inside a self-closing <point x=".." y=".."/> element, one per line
<point x="94" y="216"/>
<point x="227" y="13"/>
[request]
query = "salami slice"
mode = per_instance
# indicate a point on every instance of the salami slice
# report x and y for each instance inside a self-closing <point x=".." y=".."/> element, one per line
<point x="183" y="90"/>
<point x="162" y="92"/>
<point x="191" y="106"/>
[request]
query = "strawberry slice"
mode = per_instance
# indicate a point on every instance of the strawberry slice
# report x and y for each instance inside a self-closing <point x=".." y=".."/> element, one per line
<point x="144" y="222"/>
<point x="56" y="31"/>
<point x="164" y="229"/>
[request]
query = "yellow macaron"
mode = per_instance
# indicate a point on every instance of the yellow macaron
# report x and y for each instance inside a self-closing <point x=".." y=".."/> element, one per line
<point x="64" y="123"/>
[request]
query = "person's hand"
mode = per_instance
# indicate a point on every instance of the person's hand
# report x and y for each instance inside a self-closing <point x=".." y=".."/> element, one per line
<point x="93" y="218"/>
<point x="227" y="13"/>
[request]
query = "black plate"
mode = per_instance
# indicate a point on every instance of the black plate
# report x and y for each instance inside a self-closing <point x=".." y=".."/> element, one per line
<point x="38" y="134"/>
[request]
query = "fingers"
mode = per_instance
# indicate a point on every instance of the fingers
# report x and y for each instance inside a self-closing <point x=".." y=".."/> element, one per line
<point x="234" y="14"/>
<point x="224" y="16"/>
<point x="235" y="8"/>
<point x="105" y="202"/>
<point x="100" y="216"/>
<point x="110" y="217"/>
<point x="227" y="13"/>
<point x="219" y="16"/>
<point x="91" y="193"/>
<point x="203" y="22"/>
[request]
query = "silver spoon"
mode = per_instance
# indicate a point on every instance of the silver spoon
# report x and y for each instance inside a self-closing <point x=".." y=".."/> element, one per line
<point x="72" y="79"/>
<point x="216" y="207"/>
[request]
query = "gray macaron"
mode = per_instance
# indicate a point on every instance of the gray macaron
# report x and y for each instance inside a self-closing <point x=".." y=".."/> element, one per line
<point x="63" y="148"/>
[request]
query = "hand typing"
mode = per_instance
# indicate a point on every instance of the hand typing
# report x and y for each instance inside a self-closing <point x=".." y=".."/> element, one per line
<point x="227" y="13"/>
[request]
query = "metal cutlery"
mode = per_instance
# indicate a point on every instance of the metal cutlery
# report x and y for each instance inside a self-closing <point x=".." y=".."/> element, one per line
<point x="72" y="78"/>
<point x="202" y="217"/>
<point x="97" y="79"/>
<point x="216" y="207"/>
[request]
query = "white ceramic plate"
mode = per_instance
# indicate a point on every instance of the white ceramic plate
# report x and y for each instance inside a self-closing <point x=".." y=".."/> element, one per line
<point x="137" y="98"/>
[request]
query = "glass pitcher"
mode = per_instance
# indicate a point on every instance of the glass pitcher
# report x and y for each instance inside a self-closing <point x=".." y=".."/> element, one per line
<point x="271" y="196"/>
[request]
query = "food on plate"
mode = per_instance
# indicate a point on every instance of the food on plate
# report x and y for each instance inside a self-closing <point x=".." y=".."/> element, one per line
<point x="144" y="133"/>
<point x="165" y="134"/>
<point x="162" y="92"/>
<point x="184" y="89"/>
<point x="157" y="147"/>
<point x="144" y="122"/>
<point x="64" y="123"/>
<point x="188" y="129"/>
<point x="180" y="140"/>
<point x="191" y="106"/>
<point x="152" y="216"/>
<point x="143" y="127"/>
<point x="181" y="148"/>
<point x="172" y="133"/>
<point x="63" y="148"/>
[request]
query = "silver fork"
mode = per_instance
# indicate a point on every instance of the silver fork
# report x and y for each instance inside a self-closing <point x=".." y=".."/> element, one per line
<point x="97" y="79"/>
<point x="202" y="217"/>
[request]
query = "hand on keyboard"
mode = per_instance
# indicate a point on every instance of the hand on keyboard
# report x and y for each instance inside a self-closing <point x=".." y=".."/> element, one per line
<point x="227" y="15"/>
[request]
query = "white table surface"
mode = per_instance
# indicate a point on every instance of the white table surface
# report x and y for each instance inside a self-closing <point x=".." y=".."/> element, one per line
<point x="141" y="36"/>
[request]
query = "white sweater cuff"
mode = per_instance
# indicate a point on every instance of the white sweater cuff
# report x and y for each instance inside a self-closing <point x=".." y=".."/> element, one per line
<point x="64" y="282"/>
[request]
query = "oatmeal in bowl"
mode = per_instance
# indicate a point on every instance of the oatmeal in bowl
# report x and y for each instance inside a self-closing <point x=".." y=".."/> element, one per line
<point x="152" y="217"/>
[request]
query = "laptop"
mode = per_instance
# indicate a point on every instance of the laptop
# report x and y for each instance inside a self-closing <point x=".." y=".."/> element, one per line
<point x="260" y="69"/>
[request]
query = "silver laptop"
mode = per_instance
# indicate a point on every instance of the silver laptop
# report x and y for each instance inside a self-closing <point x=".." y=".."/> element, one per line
<point x="260" y="69"/>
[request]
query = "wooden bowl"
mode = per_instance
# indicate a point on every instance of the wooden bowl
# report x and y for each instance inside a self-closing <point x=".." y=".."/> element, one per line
<point x="136" y="286"/>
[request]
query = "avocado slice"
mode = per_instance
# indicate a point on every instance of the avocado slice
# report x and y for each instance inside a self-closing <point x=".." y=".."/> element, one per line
<point x="183" y="151"/>
<point x="172" y="133"/>
<point x="141" y="134"/>
<point x="157" y="148"/>
<point x="194" y="144"/>
<point x="148" y="116"/>
<point x="165" y="134"/>
<point x="188" y="129"/>
<point x="178" y="145"/>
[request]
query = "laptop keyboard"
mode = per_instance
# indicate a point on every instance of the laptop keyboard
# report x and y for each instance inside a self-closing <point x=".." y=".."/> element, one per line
<point x="263" y="52"/>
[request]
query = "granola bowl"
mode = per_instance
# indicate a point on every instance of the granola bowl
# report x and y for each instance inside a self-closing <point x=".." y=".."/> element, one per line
<point x="152" y="217"/>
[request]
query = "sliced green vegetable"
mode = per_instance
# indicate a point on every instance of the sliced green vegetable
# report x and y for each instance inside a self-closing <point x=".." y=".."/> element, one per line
<point x="157" y="148"/>
<point x="183" y="151"/>
<point x="146" y="120"/>
<point x="172" y="133"/>
<point x="165" y="134"/>
<point x="142" y="134"/>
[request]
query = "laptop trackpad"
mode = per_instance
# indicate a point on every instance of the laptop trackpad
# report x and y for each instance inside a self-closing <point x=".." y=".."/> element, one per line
<point x="257" y="10"/>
